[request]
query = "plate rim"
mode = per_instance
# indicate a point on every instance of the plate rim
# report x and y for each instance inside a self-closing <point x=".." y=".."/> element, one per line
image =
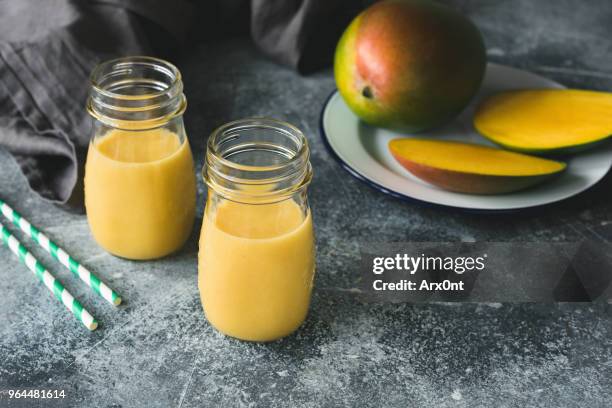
<point x="406" y="198"/>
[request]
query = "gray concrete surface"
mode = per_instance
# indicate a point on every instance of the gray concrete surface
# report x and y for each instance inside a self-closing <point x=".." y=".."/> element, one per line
<point x="158" y="350"/>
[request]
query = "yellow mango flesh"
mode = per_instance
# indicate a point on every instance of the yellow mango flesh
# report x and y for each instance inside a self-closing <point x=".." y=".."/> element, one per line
<point x="472" y="169"/>
<point x="471" y="158"/>
<point x="545" y="120"/>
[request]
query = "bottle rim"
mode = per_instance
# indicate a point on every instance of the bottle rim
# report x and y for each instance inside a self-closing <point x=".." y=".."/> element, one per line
<point x="264" y="122"/>
<point x="121" y="63"/>
<point x="233" y="180"/>
<point x="159" y="98"/>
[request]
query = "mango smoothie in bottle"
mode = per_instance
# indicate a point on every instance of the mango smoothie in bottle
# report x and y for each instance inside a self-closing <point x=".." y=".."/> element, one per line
<point x="140" y="185"/>
<point x="257" y="254"/>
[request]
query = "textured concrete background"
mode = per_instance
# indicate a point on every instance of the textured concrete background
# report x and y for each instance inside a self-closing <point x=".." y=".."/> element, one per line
<point x="158" y="351"/>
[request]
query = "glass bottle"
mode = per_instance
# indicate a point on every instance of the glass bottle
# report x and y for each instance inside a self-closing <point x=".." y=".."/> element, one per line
<point x="140" y="187"/>
<point x="257" y="253"/>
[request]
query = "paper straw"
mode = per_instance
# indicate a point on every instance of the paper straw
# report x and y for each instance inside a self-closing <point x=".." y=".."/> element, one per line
<point x="60" y="255"/>
<point x="53" y="284"/>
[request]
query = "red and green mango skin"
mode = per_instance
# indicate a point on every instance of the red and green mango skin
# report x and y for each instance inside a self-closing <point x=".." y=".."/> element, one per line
<point x="471" y="183"/>
<point x="421" y="62"/>
<point x="552" y="152"/>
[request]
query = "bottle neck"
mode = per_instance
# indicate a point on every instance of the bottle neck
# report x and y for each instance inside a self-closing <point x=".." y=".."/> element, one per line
<point x="257" y="161"/>
<point x="136" y="93"/>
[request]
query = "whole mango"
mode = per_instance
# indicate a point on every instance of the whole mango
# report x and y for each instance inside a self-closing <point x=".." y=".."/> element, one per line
<point x="409" y="64"/>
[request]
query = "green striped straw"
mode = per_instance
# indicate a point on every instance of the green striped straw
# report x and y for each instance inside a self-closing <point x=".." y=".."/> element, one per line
<point x="53" y="284"/>
<point x="60" y="255"/>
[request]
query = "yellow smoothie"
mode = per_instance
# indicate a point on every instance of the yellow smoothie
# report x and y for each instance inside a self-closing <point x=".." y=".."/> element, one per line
<point x="140" y="192"/>
<point x="256" y="268"/>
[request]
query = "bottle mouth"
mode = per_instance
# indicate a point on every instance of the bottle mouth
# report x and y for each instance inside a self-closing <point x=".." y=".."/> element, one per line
<point x="257" y="160"/>
<point x="140" y="90"/>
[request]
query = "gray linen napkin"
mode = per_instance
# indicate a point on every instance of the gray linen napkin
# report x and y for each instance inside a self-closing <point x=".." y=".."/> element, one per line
<point x="48" y="48"/>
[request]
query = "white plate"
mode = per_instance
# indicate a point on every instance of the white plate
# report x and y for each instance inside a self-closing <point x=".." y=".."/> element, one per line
<point x="362" y="150"/>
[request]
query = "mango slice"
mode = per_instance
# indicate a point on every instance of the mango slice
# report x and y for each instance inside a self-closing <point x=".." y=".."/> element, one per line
<point x="546" y="120"/>
<point x="470" y="168"/>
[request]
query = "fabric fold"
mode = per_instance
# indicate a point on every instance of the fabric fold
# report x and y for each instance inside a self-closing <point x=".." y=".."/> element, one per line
<point x="48" y="49"/>
<point x="43" y="91"/>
